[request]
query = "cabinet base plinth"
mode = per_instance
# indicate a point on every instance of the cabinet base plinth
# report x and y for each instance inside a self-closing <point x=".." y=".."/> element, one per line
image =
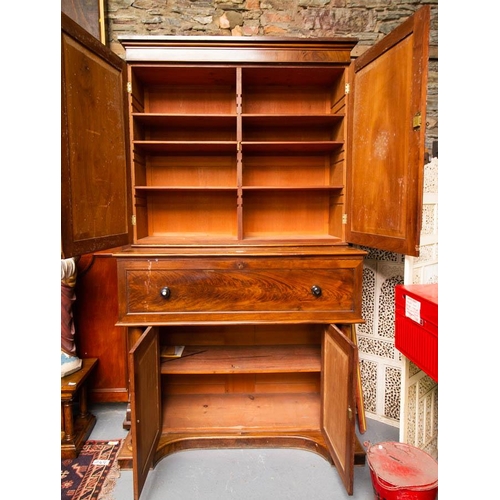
<point x="173" y="442"/>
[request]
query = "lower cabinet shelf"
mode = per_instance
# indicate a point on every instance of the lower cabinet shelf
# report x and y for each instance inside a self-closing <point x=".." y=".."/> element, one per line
<point x="214" y="421"/>
<point x="240" y="359"/>
<point x="241" y="412"/>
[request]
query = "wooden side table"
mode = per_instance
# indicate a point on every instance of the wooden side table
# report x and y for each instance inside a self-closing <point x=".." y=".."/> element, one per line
<point x="75" y="429"/>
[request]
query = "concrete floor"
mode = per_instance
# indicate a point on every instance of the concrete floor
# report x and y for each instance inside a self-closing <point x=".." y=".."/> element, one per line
<point x="248" y="474"/>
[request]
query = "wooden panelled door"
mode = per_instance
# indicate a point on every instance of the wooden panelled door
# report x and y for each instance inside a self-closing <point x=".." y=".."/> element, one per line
<point x="387" y="138"/>
<point x="145" y="404"/>
<point x="95" y="187"/>
<point x="338" y="388"/>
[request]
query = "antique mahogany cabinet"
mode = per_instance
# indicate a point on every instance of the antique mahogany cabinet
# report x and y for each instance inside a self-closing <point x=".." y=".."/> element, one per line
<point x="228" y="177"/>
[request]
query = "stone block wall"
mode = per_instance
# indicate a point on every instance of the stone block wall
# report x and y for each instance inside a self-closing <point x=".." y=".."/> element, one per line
<point x="367" y="20"/>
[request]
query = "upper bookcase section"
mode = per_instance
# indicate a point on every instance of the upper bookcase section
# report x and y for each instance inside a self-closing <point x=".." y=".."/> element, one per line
<point x="237" y="141"/>
<point x="243" y="140"/>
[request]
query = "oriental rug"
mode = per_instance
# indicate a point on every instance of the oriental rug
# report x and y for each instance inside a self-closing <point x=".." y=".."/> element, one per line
<point x="91" y="475"/>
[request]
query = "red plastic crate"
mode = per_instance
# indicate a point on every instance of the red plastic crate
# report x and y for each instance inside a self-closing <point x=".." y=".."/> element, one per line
<point x="417" y="325"/>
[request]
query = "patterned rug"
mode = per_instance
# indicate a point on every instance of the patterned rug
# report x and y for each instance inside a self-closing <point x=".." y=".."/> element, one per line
<point x="92" y="475"/>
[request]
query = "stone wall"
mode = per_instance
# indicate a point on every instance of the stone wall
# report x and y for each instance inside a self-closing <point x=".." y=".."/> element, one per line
<point x="366" y="20"/>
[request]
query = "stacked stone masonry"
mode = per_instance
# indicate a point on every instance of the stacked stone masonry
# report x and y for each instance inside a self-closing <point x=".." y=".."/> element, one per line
<point x="366" y="20"/>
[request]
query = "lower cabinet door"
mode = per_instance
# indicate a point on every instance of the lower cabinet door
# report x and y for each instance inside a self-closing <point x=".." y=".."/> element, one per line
<point x="145" y="404"/>
<point x="338" y="405"/>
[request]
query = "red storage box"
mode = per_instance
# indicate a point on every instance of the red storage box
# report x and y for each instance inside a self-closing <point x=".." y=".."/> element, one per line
<point x="417" y="325"/>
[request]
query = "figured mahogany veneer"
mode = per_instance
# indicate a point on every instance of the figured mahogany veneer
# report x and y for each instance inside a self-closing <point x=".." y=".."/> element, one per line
<point x="242" y="287"/>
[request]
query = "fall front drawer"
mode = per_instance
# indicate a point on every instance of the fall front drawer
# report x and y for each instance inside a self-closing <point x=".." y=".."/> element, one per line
<point x="156" y="290"/>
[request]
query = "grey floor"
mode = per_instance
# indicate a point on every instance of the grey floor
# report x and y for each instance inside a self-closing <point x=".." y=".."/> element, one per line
<point x="258" y="474"/>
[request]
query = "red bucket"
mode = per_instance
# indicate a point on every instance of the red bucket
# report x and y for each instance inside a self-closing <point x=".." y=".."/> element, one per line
<point x="400" y="471"/>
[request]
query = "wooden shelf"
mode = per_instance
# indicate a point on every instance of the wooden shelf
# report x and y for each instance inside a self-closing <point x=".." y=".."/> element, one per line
<point x="190" y="147"/>
<point x="245" y="359"/>
<point x="226" y="412"/>
<point x="234" y="188"/>
<point x="292" y="147"/>
<point x="198" y="239"/>
<point x="194" y="119"/>
<point x="186" y="188"/>
<point x="290" y="119"/>
<point x="293" y="188"/>
<point x="299" y="238"/>
<point x="188" y="127"/>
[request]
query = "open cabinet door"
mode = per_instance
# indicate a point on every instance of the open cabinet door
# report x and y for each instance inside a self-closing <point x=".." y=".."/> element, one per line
<point x="145" y="404"/>
<point x="386" y="139"/>
<point x="95" y="203"/>
<point x="338" y="392"/>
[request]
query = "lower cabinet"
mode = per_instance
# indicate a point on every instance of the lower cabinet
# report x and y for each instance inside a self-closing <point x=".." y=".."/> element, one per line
<point x="253" y="372"/>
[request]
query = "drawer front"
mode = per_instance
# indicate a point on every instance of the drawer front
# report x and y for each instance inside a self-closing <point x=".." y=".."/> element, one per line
<point x="250" y="289"/>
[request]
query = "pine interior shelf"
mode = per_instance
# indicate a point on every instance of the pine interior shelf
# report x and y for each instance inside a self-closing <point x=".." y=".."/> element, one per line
<point x="245" y="359"/>
<point x="291" y="146"/>
<point x="188" y="147"/>
<point x="230" y="412"/>
<point x="185" y="188"/>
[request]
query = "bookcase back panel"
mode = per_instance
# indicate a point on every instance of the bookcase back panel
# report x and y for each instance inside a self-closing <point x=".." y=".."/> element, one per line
<point x="242" y="383"/>
<point x="184" y="128"/>
<point x="194" y="171"/>
<point x="293" y="128"/>
<point x="184" y="90"/>
<point x="291" y="90"/>
<point x="282" y="100"/>
<point x="286" y="170"/>
<point x="196" y="99"/>
<point x="242" y="334"/>
<point x="194" y="213"/>
<point x="292" y="213"/>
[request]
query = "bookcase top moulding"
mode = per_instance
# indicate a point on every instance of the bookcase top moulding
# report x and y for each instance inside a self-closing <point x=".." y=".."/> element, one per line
<point x="237" y="49"/>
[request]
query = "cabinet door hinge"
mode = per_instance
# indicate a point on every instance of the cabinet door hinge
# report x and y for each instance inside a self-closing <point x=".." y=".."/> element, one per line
<point x="347" y="88"/>
<point x="417" y="121"/>
<point x="344" y="218"/>
<point x="129" y="87"/>
<point x="134" y="220"/>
